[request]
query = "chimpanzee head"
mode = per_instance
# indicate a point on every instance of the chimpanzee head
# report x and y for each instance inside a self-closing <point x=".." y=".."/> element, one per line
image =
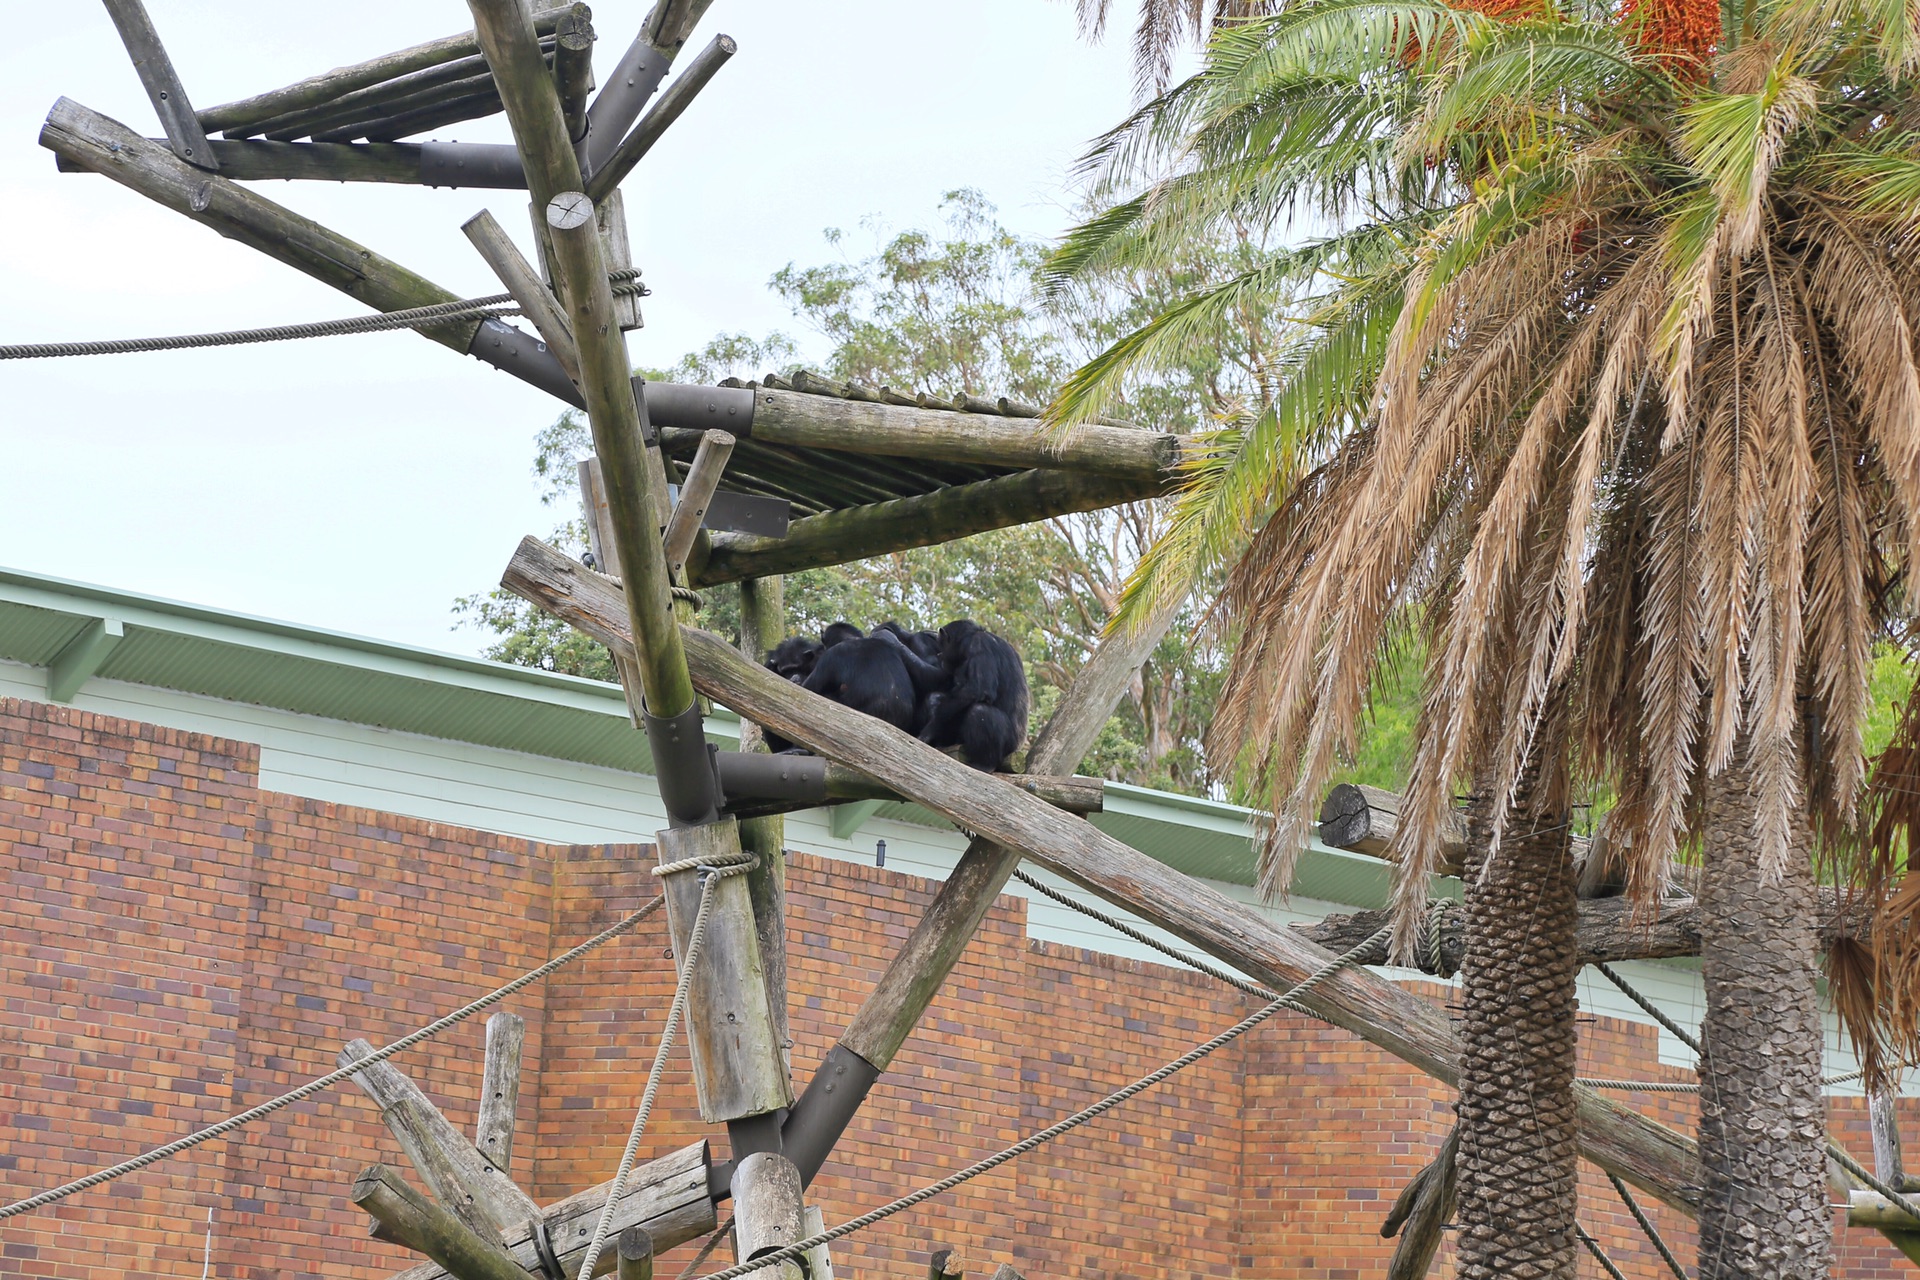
<point x="840" y="633"/>
<point x="794" y="658"/>
<point x="953" y="640"/>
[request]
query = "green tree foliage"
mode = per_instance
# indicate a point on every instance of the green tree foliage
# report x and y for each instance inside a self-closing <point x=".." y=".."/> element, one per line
<point x="945" y="310"/>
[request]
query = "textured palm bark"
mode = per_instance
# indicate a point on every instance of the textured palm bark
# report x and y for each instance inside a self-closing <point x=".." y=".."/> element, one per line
<point x="1519" y="1140"/>
<point x="1763" y="1210"/>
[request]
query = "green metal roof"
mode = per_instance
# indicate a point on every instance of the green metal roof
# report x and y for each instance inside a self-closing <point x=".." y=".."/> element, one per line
<point x="311" y="671"/>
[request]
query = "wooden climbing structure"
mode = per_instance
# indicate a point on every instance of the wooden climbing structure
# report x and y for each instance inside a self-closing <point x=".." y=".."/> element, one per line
<point x="692" y="486"/>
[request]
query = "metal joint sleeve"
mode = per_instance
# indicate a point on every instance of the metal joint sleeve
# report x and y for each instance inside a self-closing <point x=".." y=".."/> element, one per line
<point x="692" y="408"/>
<point x="683" y="766"/>
<point x="754" y="776"/>
<point x="825" y="1109"/>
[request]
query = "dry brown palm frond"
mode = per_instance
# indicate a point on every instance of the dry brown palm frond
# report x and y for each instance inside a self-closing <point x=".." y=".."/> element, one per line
<point x="1860" y="301"/>
<point x="1839" y="569"/>
<point x="1730" y="508"/>
<point x="1878" y="994"/>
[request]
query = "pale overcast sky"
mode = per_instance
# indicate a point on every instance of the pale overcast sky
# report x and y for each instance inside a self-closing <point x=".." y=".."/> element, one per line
<point x="361" y="483"/>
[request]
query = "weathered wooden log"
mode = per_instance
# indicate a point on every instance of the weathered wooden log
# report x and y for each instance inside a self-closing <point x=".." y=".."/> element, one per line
<point x="106" y="146"/>
<point x="819" y="1258"/>
<point x="536" y="301"/>
<point x="739" y="1069"/>
<point x="956" y="511"/>
<point x="823" y="422"/>
<point x="606" y="557"/>
<point x="506" y="33"/>
<point x="763" y="623"/>
<point x="945" y="1263"/>
<point x="1647" y="1154"/>
<point x="1365" y="819"/>
<point x="440" y="164"/>
<point x="767" y="1211"/>
<point x="573" y="67"/>
<point x="162" y="83"/>
<point x="635" y="1255"/>
<point x="639" y="72"/>
<point x="826" y="782"/>
<point x="235" y="118"/>
<point x="388" y="98"/>
<point x="669" y="1197"/>
<point x="463" y="1179"/>
<point x="672" y="104"/>
<point x="409" y="1218"/>
<point x="1609" y="931"/>
<point x="1421" y="1213"/>
<point x="1005" y="1271"/>
<point x="696" y="491"/>
<point x="478" y="100"/>
<point x="614" y="417"/>
<point x="500" y="1089"/>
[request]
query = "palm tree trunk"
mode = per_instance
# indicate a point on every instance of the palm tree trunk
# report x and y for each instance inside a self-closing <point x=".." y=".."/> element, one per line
<point x="1763" y="1210"/>
<point x="1518" y="1140"/>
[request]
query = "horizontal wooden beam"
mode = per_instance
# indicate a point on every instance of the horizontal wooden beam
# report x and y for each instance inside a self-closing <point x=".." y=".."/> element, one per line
<point x="956" y="511"/>
<point x="668" y="1197"/>
<point x="433" y="164"/>
<point x="831" y="783"/>
<point x="316" y="91"/>
<point x="1610" y="930"/>
<point x="1643" y="1152"/>
<point x="943" y="435"/>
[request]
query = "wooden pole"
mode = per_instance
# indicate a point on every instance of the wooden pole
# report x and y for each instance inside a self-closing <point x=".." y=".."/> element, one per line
<point x="614" y="417"/>
<point x="161" y="82"/>
<point x="738" y="1068"/>
<point x="636" y="1255"/>
<point x="606" y="555"/>
<point x="819" y="1258"/>
<point x="703" y="477"/>
<point x="536" y="301"/>
<point x="573" y="67"/>
<point x="432" y="86"/>
<point x="1610" y="930"/>
<point x="763" y="624"/>
<point x="838" y="784"/>
<point x="880" y="528"/>
<point x="475" y="1189"/>
<point x="639" y="72"/>
<point x="409" y="1218"/>
<point x="500" y="1089"/>
<point x="412" y="163"/>
<point x="945" y="1263"/>
<point x="236" y="118"/>
<point x="944" y="435"/>
<point x="670" y="1197"/>
<point x="671" y="106"/>
<point x="1641" y="1151"/>
<point x="505" y="30"/>
<point x="768" y="1213"/>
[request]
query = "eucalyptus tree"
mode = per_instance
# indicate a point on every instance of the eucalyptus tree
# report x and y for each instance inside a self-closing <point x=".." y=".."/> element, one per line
<point x="1605" y="389"/>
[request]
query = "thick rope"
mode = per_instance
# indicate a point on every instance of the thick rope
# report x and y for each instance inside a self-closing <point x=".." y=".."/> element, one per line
<point x="439" y="313"/>
<point x="1834" y="1150"/>
<point x="314" y="1086"/>
<point x="711" y="871"/>
<point x="1646" y="1225"/>
<point x="1074" y="1121"/>
<point x="1599" y="1254"/>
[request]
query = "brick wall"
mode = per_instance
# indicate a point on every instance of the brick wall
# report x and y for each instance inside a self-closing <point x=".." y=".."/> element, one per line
<point x="178" y="944"/>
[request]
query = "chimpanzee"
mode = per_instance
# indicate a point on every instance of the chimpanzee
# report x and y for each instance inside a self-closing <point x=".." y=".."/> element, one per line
<point x="794" y="658"/>
<point x="985" y="710"/>
<point x="920" y="651"/>
<point x="867" y="673"/>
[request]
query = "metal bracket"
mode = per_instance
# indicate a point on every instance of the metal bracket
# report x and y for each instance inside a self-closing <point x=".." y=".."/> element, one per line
<point x="543" y="1249"/>
<point x="471" y="164"/>
<point x="696" y="408"/>
<point x="684" y="767"/>
<point x="513" y="351"/>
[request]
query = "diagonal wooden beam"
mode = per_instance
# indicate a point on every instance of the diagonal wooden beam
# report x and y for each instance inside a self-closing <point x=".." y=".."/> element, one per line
<point x="406" y="1217"/>
<point x="162" y="83"/>
<point x="1647" y="1154"/>
<point x="453" y="1169"/>
<point x="500" y="1090"/>
<point x="613" y="170"/>
<point x="668" y="1197"/>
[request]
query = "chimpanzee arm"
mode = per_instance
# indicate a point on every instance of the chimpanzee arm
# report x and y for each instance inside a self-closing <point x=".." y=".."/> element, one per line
<point x="928" y="677"/>
<point x="982" y="674"/>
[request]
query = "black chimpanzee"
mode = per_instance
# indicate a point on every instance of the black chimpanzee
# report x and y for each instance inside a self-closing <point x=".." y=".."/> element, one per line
<point x="985" y="710"/>
<point x="920" y="651"/>
<point x="839" y="633"/>
<point x="861" y="672"/>
<point x="794" y="658"/>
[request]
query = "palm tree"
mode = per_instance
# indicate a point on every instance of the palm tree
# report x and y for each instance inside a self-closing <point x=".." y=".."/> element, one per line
<point x="1606" y="391"/>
